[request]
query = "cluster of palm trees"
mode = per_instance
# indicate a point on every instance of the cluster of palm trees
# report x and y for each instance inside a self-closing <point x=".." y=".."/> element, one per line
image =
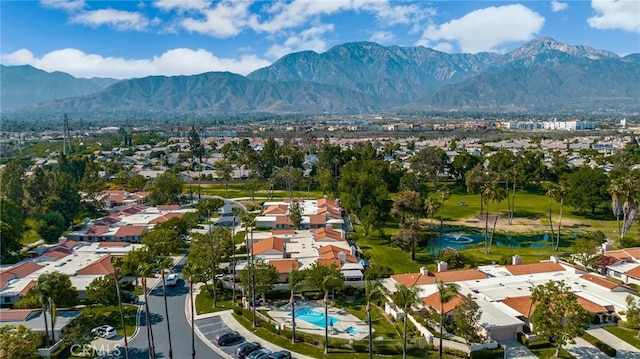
<point x="625" y="198"/>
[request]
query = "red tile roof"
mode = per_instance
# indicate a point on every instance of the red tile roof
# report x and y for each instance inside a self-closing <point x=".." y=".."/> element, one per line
<point x="635" y="272"/>
<point x="522" y="305"/>
<point x="618" y="254"/>
<point x="284" y="265"/>
<point x="601" y="281"/>
<point x="271" y="243"/>
<point x="322" y="233"/>
<point x="167" y="217"/>
<point x="283" y="220"/>
<point x="112" y="244"/>
<point x="433" y="301"/>
<point x="317" y="219"/>
<point x="130" y="231"/>
<point x="101" y="266"/>
<point x="633" y="252"/>
<point x="24" y="291"/>
<point x="329" y="262"/>
<point x="16" y="315"/>
<point x="532" y="268"/>
<point x="96" y="231"/>
<point x="332" y="252"/>
<point x="413" y="279"/>
<point x="19" y="271"/>
<point x="70" y="244"/>
<point x="591" y="306"/>
<point x="280" y="209"/>
<point x="58" y="253"/>
<point x="168" y="207"/>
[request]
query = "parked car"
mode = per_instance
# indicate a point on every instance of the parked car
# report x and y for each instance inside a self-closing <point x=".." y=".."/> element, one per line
<point x="246" y="349"/>
<point x="172" y="279"/>
<point x="129" y="297"/>
<point x="260" y="354"/>
<point x="282" y="354"/>
<point x="228" y="338"/>
<point x="104" y="331"/>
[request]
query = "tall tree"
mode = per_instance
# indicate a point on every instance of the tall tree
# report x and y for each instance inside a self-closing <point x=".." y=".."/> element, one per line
<point x="585" y="250"/>
<point x="446" y="293"/>
<point x="444" y="196"/>
<point x="195" y="145"/>
<point x="50" y="226"/>
<point x="12" y="178"/>
<point x="407" y="207"/>
<point x="557" y="314"/>
<point x="101" y="291"/>
<point x="19" y="342"/>
<point x="12" y="227"/>
<point x="561" y="193"/>
<point x="37" y="188"/>
<point x="329" y="284"/>
<point x="616" y="191"/>
<point x="551" y="192"/>
<point x="295" y="281"/>
<point x="430" y="162"/>
<point x="224" y="169"/>
<point x="373" y="291"/>
<point x="206" y="206"/>
<point x="467" y="318"/>
<point x="295" y="214"/>
<point x="404" y="298"/>
<point x="165" y="189"/>
<point x="498" y="194"/>
<point x="588" y="188"/>
<point x="262" y="276"/>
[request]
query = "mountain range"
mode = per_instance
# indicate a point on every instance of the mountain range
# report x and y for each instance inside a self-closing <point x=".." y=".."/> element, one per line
<point x="353" y="78"/>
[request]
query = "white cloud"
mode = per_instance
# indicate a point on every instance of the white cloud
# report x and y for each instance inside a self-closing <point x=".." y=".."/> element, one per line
<point x="181" y="5"/>
<point x="117" y="19"/>
<point x="558" y="6"/>
<point x="486" y="29"/>
<point x="225" y="20"/>
<point x="616" y="14"/>
<point x="382" y="37"/>
<point x="67" y="5"/>
<point x="179" y="61"/>
<point x="309" y="39"/>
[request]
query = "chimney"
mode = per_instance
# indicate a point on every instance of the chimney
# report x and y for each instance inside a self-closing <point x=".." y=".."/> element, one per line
<point x="353" y="251"/>
<point x="554" y="259"/>
<point x="442" y="266"/>
<point x="342" y="256"/>
<point x="606" y="246"/>
<point x="516" y="260"/>
<point x="62" y="239"/>
<point x="424" y="271"/>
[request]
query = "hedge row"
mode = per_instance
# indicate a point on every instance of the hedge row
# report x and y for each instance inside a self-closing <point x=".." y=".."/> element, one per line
<point x="604" y="347"/>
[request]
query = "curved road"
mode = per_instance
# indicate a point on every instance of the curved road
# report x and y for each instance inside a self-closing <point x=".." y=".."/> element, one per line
<point x="180" y="327"/>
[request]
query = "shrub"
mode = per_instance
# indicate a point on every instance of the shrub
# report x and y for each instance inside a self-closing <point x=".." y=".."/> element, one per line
<point x="603" y="347"/>
<point x="237" y="310"/>
<point x="488" y="353"/>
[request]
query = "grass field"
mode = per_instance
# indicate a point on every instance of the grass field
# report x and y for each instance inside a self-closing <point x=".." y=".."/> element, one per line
<point x="628" y="335"/>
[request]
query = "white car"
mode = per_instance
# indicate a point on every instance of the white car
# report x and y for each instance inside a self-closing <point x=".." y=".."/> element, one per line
<point x="172" y="279"/>
<point x="104" y="331"/>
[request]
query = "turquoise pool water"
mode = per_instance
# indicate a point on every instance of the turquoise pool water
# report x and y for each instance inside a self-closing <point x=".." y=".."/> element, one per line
<point x="312" y="317"/>
<point x="352" y="330"/>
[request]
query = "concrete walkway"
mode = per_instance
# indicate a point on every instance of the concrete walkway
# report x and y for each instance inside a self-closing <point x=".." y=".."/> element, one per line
<point x="625" y="350"/>
<point x="513" y="349"/>
<point x="582" y="349"/>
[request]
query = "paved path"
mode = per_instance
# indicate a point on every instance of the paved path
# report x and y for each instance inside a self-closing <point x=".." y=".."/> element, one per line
<point x="514" y="349"/>
<point x="625" y="350"/>
<point x="582" y="349"/>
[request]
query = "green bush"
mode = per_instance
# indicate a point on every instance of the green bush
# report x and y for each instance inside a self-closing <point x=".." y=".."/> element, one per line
<point x="237" y="310"/>
<point x="488" y="353"/>
<point x="603" y="347"/>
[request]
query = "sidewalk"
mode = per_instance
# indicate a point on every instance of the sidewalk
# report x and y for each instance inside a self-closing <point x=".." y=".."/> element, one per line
<point x="625" y="350"/>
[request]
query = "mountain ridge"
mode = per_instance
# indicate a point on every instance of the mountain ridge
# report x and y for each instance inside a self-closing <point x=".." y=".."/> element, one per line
<point x="365" y="77"/>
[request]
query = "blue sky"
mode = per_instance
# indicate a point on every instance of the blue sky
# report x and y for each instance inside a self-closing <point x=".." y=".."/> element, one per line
<point x="125" y="39"/>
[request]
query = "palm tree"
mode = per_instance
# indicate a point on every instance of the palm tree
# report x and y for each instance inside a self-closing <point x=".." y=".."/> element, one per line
<point x="497" y="194"/>
<point x="236" y="214"/>
<point x="616" y="190"/>
<point x="330" y="283"/>
<point x="486" y="192"/>
<point x="551" y="194"/>
<point x="405" y="298"/>
<point x="249" y="221"/>
<point x="166" y="310"/>
<point x="124" y="328"/>
<point x="152" y="346"/>
<point x="296" y="280"/>
<point x="431" y="205"/>
<point x="373" y="290"/>
<point x="444" y="195"/>
<point x="446" y="292"/>
<point x="561" y="193"/>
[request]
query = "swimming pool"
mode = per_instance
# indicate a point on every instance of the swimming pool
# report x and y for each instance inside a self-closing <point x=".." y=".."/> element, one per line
<point x="352" y="330"/>
<point x="312" y="317"/>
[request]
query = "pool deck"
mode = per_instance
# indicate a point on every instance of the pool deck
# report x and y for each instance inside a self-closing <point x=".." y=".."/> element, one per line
<point x="346" y="320"/>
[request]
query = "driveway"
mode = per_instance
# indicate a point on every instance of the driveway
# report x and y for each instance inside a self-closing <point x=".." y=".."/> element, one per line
<point x="516" y="350"/>
<point x="625" y="350"/>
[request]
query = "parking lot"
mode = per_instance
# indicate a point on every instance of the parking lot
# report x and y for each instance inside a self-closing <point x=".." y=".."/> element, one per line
<point x="212" y="327"/>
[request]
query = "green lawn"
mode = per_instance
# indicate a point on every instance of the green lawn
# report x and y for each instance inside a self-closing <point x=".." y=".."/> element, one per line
<point x="204" y="301"/>
<point x="30" y="234"/>
<point x="111" y="315"/>
<point x="546" y="353"/>
<point x="628" y="335"/>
